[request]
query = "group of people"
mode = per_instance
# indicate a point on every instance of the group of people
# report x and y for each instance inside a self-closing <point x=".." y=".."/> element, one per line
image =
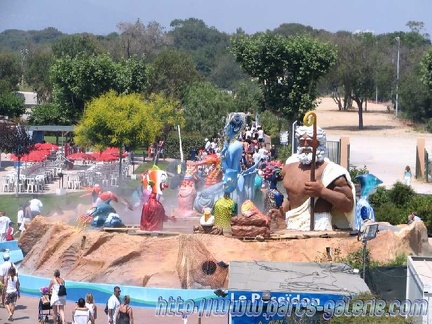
<point x="156" y="148"/>
<point x="254" y="149"/>
<point x="86" y="311"/>
<point x="26" y="212"/>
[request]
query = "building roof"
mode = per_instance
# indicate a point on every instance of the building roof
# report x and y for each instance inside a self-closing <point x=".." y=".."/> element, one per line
<point x="422" y="268"/>
<point x="52" y="128"/>
<point x="310" y="277"/>
<point x="30" y="98"/>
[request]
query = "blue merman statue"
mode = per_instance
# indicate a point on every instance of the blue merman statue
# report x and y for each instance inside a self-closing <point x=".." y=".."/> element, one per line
<point x="364" y="211"/>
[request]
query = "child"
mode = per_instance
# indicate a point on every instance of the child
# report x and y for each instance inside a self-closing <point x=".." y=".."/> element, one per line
<point x="10" y="232"/>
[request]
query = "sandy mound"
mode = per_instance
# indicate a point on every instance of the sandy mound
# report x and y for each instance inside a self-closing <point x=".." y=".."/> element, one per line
<point x="182" y="261"/>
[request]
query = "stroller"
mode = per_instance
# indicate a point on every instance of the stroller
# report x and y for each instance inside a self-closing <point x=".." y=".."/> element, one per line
<point x="44" y="306"/>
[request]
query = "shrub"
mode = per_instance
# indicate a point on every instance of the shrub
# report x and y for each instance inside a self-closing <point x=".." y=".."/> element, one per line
<point x="401" y="194"/>
<point x="190" y="143"/>
<point x="284" y="152"/>
<point x="379" y="198"/>
<point x="354" y="172"/>
<point x="428" y="125"/>
<point x="388" y="212"/>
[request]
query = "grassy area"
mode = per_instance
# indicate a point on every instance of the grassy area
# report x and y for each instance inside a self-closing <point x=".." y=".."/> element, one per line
<point x="10" y="203"/>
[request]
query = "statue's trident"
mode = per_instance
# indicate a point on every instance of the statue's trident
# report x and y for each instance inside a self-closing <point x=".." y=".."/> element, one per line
<point x="310" y="119"/>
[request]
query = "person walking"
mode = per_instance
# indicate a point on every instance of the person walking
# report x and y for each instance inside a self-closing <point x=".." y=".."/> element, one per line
<point x="407" y="175"/>
<point x="113" y="305"/>
<point x="4" y="270"/>
<point x="57" y="302"/>
<point x="125" y="313"/>
<point x="35" y="206"/>
<point x="11" y="288"/>
<point x="89" y="303"/>
<point x="4" y="225"/>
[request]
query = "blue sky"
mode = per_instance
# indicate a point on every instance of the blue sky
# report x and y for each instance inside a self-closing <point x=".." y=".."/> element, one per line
<point x="102" y="16"/>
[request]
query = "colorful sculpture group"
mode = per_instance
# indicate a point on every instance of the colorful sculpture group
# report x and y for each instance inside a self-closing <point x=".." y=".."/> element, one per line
<point x="320" y="193"/>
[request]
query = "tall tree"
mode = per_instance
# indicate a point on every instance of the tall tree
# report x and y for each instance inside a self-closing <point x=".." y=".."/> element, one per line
<point x="77" y="45"/>
<point x="205" y="108"/>
<point x="11" y="105"/>
<point x="287" y="70"/>
<point x="15" y="139"/>
<point x="171" y="72"/>
<point x="356" y="69"/>
<point x="226" y="71"/>
<point x="82" y="78"/>
<point x="10" y="72"/>
<point x="114" y="120"/>
<point x="140" y="40"/>
<point x="248" y="96"/>
<point x="38" y="63"/>
<point x="48" y="114"/>
<point x="202" y="42"/>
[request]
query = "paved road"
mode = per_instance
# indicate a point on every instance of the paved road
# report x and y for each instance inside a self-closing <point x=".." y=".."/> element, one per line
<point x="28" y="311"/>
<point x="386" y="157"/>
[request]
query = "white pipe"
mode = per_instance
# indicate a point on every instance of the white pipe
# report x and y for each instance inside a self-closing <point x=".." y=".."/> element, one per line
<point x="180" y="143"/>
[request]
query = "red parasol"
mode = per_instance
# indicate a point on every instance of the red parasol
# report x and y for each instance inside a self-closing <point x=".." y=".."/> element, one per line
<point x="105" y="157"/>
<point x="46" y="146"/>
<point x="33" y="156"/>
<point x="81" y="156"/>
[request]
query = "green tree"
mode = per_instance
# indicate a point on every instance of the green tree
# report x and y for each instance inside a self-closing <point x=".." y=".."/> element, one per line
<point x="426" y="69"/>
<point x="248" y="96"/>
<point x="15" y="139"/>
<point x="114" y="120"/>
<point x="38" y="63"/>
<point x="287" y="70"/>
<point x="10" y="72"/>
<point x="356" y="67"/>
<point x="48" y="114"/>
<point x="139" y="40"/>
<point x="77" y="45"/>
<point x="205" y="108"/>
<point x="271" y="124"/>
<point x="202" y="42"/>
<point x="11" y="105"/>
<point x="172" y="71"/>
<point x="81" y="79"/>
<point x="226" y="72"/>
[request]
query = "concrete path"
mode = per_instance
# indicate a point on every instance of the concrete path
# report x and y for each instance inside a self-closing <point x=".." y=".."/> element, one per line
<point x="27" y="312"/>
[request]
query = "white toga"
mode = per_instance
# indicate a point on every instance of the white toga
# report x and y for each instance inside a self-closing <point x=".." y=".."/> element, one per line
<point x="299" y="218"/>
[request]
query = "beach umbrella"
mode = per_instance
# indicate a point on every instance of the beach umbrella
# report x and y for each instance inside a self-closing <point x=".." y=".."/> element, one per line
<point x="106" y="158"/>
<point x="33" y="156"/>
<point x="46" y="146"/>
<point x="81" y="156"/>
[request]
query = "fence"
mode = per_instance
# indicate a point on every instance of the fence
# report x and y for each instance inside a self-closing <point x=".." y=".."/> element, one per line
<point x="334" y="151"/>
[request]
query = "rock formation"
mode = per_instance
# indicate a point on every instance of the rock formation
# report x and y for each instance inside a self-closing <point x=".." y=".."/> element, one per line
<point x="186" y="260"/>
